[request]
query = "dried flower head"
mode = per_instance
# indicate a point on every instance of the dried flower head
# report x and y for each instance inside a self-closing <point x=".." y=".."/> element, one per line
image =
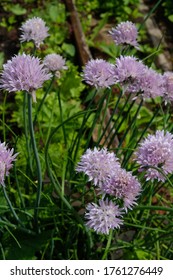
<point x="152" y="84"/>
<point x="125" y="186"/>
<point x="98" y="165"/>
<point x="34" y="30"/>
<point x="125" y="34"/>
<point x="6" y="159"/>
<point x="168" y="82"/>
<point x="23" y="72"/>
<point x="104" y="216"/>
<point x="154" y="153"/>
<point x="128" y="73"/>
<point x="99" y="73"/>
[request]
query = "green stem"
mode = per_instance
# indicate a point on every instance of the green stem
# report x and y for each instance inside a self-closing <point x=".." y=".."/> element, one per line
<point x="107" y="245"/>
<point x="10" y="205"/>
<point x="132" y="122"/>
<point x="120" y="114"/>
<point x="2" y="251"/>
<point x="25" y="113"/>
<point x="110" y="120"/>
<point x="152" y="208"/>
<point x="43" y="99"/>
<point x="47" y="160"/>
<point x="162" y="172"/>
<point x="76" y="143"/>
<point x="61" y="118"/>
<point x="150" y="13"/>
<point x="18" y="187"/>
<point x="39" y="175"/>
<point x="103" y="113"/>
<point x="96" y="118"/>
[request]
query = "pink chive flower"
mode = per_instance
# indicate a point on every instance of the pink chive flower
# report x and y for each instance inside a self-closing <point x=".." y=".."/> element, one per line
<point x="54" y="62"/>
<point x="125" y="33"/>
<point x="152" y="84"/>
<point x="6" y="159"/>
<point x="99" y="73"/>
<point x="98" y="165"/>
<point x="125" y="186"/>
<point x="156" y="151"/>
<point x="128" y="71"/>
<point x="34" y="30"/>
<point x="23" y="72"/>
<point x="103" y="217"/>
<point x="168" y="82"/>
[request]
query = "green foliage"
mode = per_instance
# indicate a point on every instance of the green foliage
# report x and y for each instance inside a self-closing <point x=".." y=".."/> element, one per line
<point x="168" y="9"/>
<point x="69" y="121"/>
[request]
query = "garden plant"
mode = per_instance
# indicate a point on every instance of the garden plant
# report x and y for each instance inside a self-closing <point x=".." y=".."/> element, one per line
<point x="86" y="155"/>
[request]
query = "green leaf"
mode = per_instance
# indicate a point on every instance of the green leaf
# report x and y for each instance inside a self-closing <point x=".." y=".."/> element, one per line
<point x="142" y="255"/>
<point x="170" y="18"/>
<point x="69" y="49"/>
<point x="17" y="9"/>
<point x="29" y="245"/>
<point x="1" y="59"/>
<point x="57" y="13"/>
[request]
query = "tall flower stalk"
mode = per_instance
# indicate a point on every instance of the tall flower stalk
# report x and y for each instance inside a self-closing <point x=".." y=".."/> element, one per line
<point x="36" y="155"/>
<point x="10" y="205"/>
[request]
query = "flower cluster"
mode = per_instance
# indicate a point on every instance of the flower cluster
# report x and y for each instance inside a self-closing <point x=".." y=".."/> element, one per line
<point x="104" y="171"/>
<point x="125" y="33"/>
<point x="6" y="159"/>
<point x="99" y="73"/>
<point x="54" y="63"/>
<point x="34" y="30"/>
<point x="152" y="84"/>
<point x="128" y="73"/>
<point x="98" y="165"/>
<point x="155" y="155"/>
<point x="23" y="72"/>
<point x="104" y="216"/>
<point x="168" y="83"/>
<point x="125" y="186"/>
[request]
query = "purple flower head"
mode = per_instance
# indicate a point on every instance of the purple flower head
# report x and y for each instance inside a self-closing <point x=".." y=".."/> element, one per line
<point x="152" y="84"/>
<point x="34" y="30"/>
<point x="168" y="79"/>
<point x="128" y="73"/>
<point x="99" y="73"/>
<point x="124" y="186"/>
<point x="98" y="165"/>
<point x="156" y="151"/>
<point x="23" y="72"/>
<point x="6" y="159"/>
<point x="125" y="34"/>
<point x="54" y="62"/>
<point x="104" y="216"/>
